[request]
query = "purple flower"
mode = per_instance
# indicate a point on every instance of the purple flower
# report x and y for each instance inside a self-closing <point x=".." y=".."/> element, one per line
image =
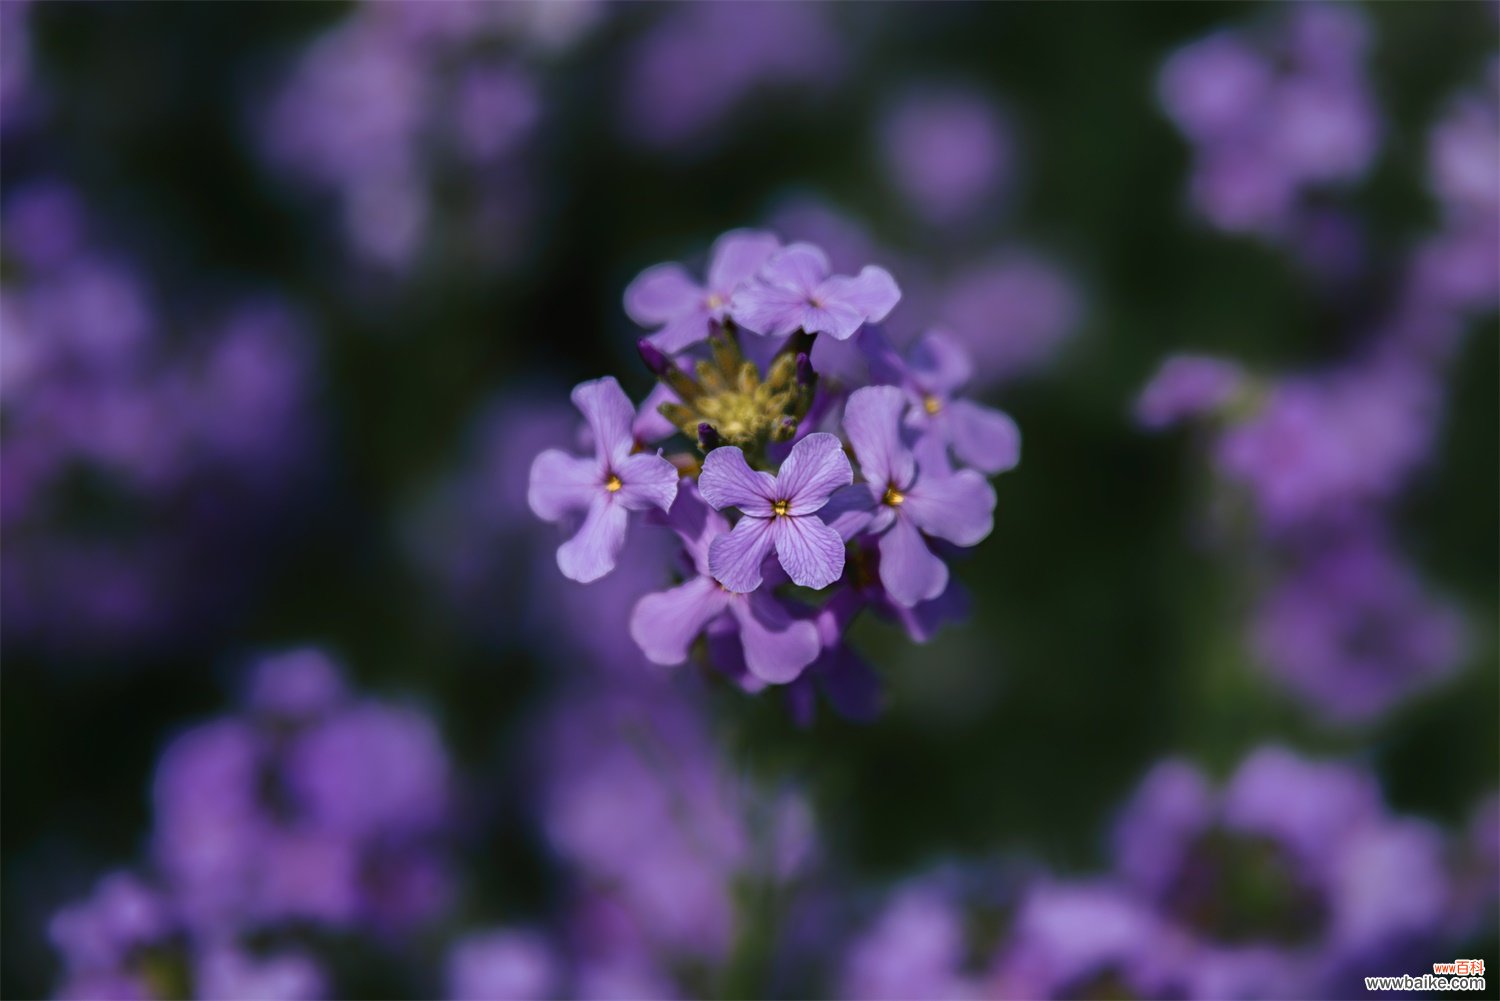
<point x="777" y="511"/>
<point x="946" y="151"/>
<point x="503" y="965"/>
<point x="914" y="949"/>
<point x="1187" y="386"/>
<point x="935" y="368"/>
<point x="666" y="296"/>
<point x="796" y="290"/>
<point x="776" y="645"/>
<point x="606" y="487"/>
<point x="1012" y="311"/>
<point x="1352" y="631"/>
<point x="909" y="501"/>
<point x="1285" y="879"/>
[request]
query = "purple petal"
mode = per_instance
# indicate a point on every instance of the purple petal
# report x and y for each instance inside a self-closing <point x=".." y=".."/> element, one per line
<point x="683" y="331"/>
<point x="959" y="508"/>
<point x="695" y="523"/>
<point x="650" y="426"/>
<point x="772" y="310"/>
<point x="851" y="684"/>
<point x="932" y="444"/>
<point x="660" y="293"/>
<point x="909" y="570"/>
<point x="811" y="553"/>
<point x="872" y="419"/>
<point x="591" y="553"/>
<point x="800" y="266"/>
<point x="609" y="413"/>
<point x="561" y="484"/>
<point x="922" y="621"/>
<point x="983" y="437"/>
<point x="728" y="481"/>
<point x="850" y="510"/>
<point x="777" y="646"/>
<point x="839" y="320"/>
<point x="737" y="256"/>
<point x="646" y="480"/>
<point x="734" y="559"/>
<point x="665" y="624"/>
<point x="872" y="293"/>
<point x="939" y="363"/>
<point x="816" y="467"/>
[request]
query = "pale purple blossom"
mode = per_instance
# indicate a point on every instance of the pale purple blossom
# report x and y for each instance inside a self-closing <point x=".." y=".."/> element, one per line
<point x="1187" y="386"/>
<point x="777" y="512"/>
<point x="503" y="965"/>
<point x="605" y="488"/>
<point x="666" y="297"/>
<point x="777" y="644"/>
<point x="796" y="290"/>
<point x="946" y="151"/>
<point x="910" y="503"/>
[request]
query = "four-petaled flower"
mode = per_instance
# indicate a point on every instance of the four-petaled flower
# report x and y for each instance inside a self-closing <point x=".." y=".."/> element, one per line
<point x="795" y="291"/>
<point x="908" y="500"/>
<point x="935" y="368"/>
<point x="605" y="487"/>
<point x="776" y="645"/>
<point x="778" y="511"/>
<point x="665" y="296"/>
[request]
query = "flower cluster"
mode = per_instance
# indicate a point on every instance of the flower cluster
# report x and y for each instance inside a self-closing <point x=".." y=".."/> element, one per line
<point x="140" y="441"/>
<point x="1322" y="457"/>
<point x="764" y="499"/>
<point x="309" y="809"/>
<point x="1292" y="880"/>
<point x="1272" y="116"/>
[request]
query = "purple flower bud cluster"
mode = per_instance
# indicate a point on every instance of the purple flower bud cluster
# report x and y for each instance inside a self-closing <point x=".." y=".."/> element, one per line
<point x="309" y="808"/>
<point x="401" y="99"/>
<point x="1274" y="113"/>
<point x="1323" y="457"/>
<point x="759" y="488"/>
<point x="1292" y="880"/>
<point x="138" y="442"/>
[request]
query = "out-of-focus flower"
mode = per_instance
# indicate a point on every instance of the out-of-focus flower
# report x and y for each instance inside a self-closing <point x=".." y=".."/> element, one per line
<point x="1187" y="386"/>
<point x="946" y="151"/>
<point x="312" y="805"/>
<point x="1284" y="882"/>
<point x="730" y="51"/>
<point x="1012" y="311"/>
<point x="605" y="488"/>
<point x="666" y="297"/>
<point x="132" y="457"/>
<point x="1352" y="631"/>
<point x="503" y="965"/>
<point x="915" y="948"/>
<point x="1273" y="115"/>
<point x="127" y="941"/>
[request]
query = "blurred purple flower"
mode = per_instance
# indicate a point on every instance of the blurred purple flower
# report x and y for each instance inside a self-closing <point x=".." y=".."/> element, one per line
<point x="1351" y="630"/>
<point x="607" y="487"/>
<point x="1187" y="386"/>
<point x="503" y="965"/>
<point x="915" y="948"/>
<point x="946" y="151"/>
<point x="1012" y="311"/>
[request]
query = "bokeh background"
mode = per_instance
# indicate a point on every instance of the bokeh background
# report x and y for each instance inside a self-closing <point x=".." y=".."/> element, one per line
<point x="293" y="292"/>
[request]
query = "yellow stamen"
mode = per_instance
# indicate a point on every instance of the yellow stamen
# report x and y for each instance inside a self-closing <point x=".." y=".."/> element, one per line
<point x="781" y="508"/>
<point x="613" y="484"/>
<point x="932" y="405"/>
<point x="893" y="497"/>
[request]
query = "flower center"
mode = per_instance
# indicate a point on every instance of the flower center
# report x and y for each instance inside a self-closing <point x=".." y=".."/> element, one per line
<point x="893" y="497"/>
<point x="781" y="508"/>
<point x="932" y="404"/>
<point x="613" y="484"/>
<point x="714" y="300"/>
